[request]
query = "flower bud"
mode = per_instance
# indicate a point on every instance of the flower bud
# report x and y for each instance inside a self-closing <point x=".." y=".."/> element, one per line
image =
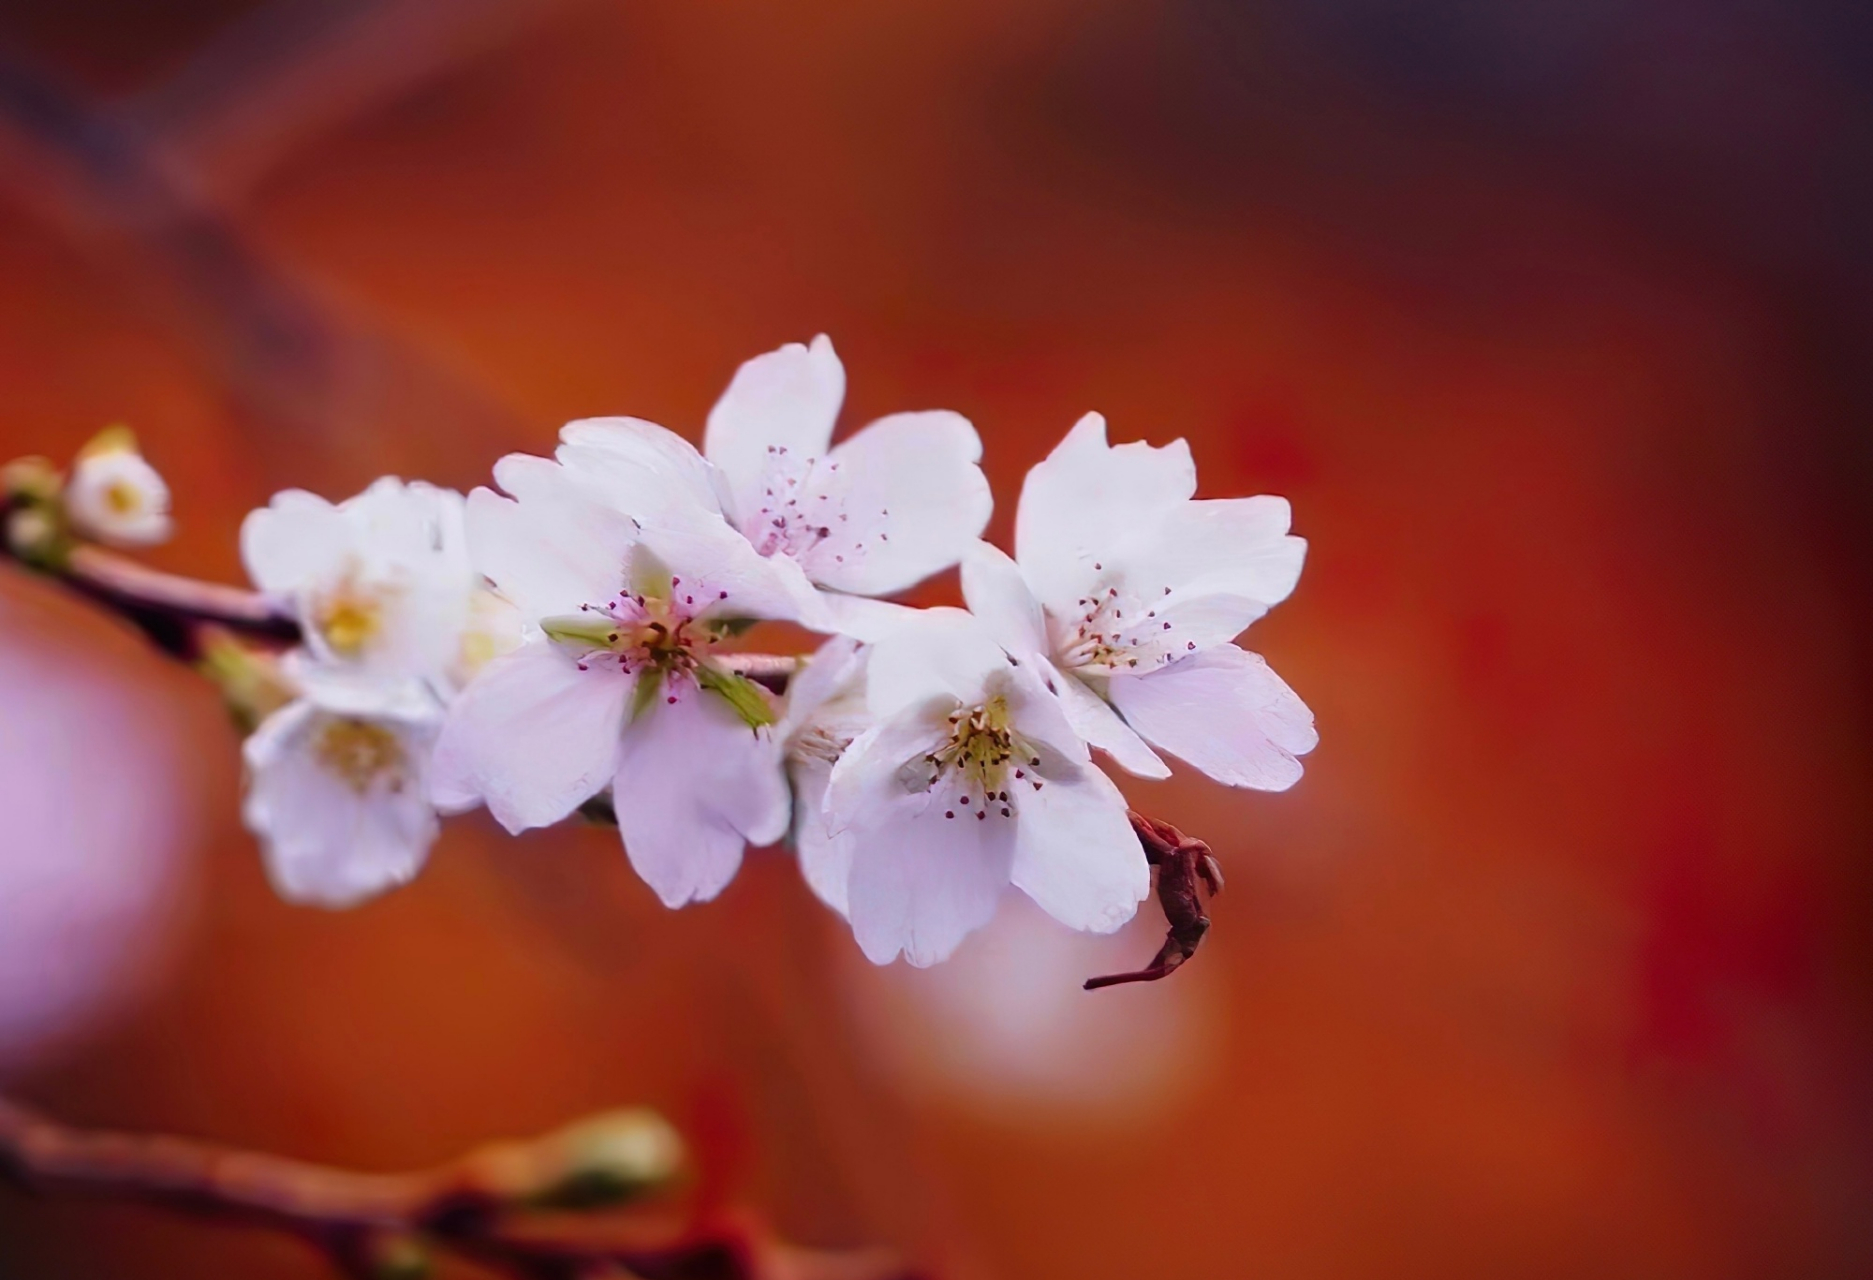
<point x="610" y="1158"/>
<point x="33" y="535"/>
<point x="114" y="496"/>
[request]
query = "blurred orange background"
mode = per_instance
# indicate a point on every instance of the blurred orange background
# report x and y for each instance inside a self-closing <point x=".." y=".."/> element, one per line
<point x="1552" y="319"/>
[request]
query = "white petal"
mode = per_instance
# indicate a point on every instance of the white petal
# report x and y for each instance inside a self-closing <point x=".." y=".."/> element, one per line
<point x="694" y="785"/>
<point x="941" y="652"/>
<point x="343" y="690"/>
<point x="787" y="399"/>
<point x="825" y="857"/>
<point x="532" y="736"/>
<point x="414" y="525"/>
<point x="834" y="665"/>
<point x="1076" y="854"/>
<point x="710" y="558"/>
<point x="1179" y="625"/>
<point x="1085" y="498"/>
<point x="919" y="882"/>
<point x="638" y="466"/>
<point x="913" y="498"/>
<point x="996" y="593"/>
<point x="1094" y="720"/>
<point x="859" y="617"/>
<point x="324" y="842"/>
<point x="295" y="539"/>
<point x="1234" y="546"/>
<point x="550" y="548"/>
<point x="1225" y="712"/>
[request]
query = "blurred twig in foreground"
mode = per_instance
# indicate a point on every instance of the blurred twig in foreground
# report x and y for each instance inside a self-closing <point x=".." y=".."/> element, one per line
<point x="514" y="1208"/>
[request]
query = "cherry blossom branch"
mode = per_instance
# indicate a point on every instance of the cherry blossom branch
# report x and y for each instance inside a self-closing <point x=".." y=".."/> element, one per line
<point x="182" y="616"/>
<point x="1183" y="863"/>
<point x="172" y="610"/>
<point x="513" y="1208"/>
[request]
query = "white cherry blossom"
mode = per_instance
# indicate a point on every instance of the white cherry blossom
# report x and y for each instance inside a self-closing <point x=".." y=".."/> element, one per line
<point x="337" y="789"/>
<point x="971" y="779"/>
<point x="826" y="711"/>
<point x="1126" y="594"/>
<point x="617" y="683"/>
<point x="115" y="496"/>
<point x="381" y="583"/>
<point x="395" y="620"/>
<point x="870" y="516"/>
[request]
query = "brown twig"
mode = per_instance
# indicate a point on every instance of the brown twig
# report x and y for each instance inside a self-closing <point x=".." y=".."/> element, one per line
<point x="174" y="611"/>
<point x="512" y="1208"/>
<point x="1183" y="863"/>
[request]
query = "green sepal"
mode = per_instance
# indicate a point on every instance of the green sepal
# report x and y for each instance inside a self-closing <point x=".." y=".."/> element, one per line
<point x="593" y="630"/>
<point x="747" y="698"/>
<point x="649" y="683"/>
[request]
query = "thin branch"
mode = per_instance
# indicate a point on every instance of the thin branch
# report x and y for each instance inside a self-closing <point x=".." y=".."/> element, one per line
<point x="513" y="1207"/>
<point x="1183" y="864"/>
<point x="172" y="610"/>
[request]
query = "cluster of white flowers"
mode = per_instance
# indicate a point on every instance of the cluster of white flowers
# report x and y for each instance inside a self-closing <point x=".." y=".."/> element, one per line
<point x="534" y="647"/>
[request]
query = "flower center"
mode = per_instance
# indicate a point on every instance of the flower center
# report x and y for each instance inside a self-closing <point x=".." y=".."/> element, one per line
<point x="651" y="630"/>
<point x="123" y="498"/>
<point x="350" y="616"/>
<point x="795" y="516"/>
<point x="360" y="753"/>
<point x="984" y="763"/>
<point x="1115" y="633"/>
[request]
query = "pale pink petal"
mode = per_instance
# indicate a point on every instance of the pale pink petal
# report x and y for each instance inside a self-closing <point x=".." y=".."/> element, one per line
<point x="550" y="548"/>
<point x="860" y="617"/>
<point x="784" y="400"/>
<point x="695" y="784"/>
<point x="532" y="736"/>
<point x="1177" y="626"/>
<point x="1085" y="498"/>
<point x="1225" y="712"/>
<point x="910" y="497"/>
<point x="919" y="881"/>
<point x="996" y="593"/>
<point x="1094" y="720"/>
<point x="638" y="467"/>
<point x="940" y="653"/>
<point x="720" y="575"/>
<point x="1076" y="854"/>
<point x="825" y="857"/>
<point x="834" y="666"/>
<point x="1235" y="546"/>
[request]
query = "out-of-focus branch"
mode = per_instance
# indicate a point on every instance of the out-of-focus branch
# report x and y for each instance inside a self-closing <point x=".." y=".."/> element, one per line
<point x="1185" y="867"/>
<point x="172" y="610"/>
<point x="517" y="1208"/>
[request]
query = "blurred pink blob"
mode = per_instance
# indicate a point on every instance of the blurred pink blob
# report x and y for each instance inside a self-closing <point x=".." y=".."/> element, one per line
<point x="1003" y="1029"/>
<point x="95" y="816"/>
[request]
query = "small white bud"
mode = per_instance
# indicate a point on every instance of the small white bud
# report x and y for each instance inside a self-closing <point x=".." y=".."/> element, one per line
<point x="116" y="497"/>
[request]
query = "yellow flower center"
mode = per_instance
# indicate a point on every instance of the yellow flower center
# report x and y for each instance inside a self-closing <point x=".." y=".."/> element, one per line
<point x="350" y="618"/>
<point x="361" y="752"/>
<point x="983" y="761"/>
<point x="122" y="498"/>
